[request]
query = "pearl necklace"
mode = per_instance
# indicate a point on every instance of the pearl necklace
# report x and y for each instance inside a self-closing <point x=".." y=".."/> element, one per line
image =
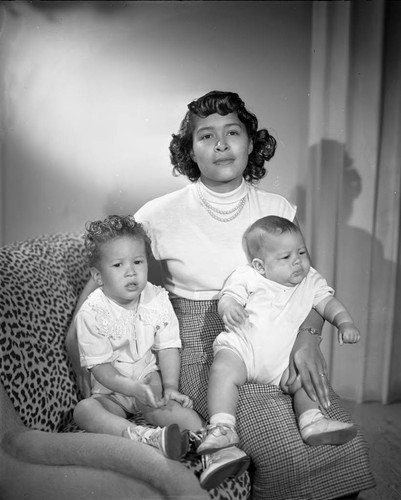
<point x="222" y="215"/>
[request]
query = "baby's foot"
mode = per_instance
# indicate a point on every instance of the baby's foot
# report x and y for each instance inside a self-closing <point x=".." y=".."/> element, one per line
<point x="221" y="465"/>
<point x="324" y="430"/>
<point x="218" y="437"/>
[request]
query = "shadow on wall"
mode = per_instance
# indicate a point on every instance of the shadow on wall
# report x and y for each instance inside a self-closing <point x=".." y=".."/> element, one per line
<point x="330" y="195"/>
<point x="353" y="261"/>
<point x="333" y="197"/>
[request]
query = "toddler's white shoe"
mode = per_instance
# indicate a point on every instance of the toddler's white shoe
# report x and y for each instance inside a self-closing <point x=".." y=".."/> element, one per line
<point x="323" y="430"/>
<point x="221" y="465"/>
<point x="218" y="437"/>
<point x="168" y="440"/>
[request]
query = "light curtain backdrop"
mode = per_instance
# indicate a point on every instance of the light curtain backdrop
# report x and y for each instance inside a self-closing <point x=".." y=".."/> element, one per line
<point x="353" y="186"/>
<point x="92" y="91"/>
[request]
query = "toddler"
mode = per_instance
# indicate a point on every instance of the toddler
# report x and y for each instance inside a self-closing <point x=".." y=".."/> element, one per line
<point x="128" y="339"/>
<point x="262" y="305"/>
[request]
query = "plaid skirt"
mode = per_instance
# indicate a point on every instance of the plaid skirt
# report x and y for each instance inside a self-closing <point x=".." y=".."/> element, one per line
<point x="283" y="466"/>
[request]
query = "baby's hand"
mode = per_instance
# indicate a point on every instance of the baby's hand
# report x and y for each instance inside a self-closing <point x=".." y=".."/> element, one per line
<point x="348" y="333"/>
<point x="143" y="393"/>
<point x="233" y="314"/>
<point x="235" y="317"/>
<point x="183" y="399"/>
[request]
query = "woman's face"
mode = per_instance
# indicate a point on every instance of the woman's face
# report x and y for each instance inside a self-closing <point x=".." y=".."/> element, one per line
<point x="220" y="148"/>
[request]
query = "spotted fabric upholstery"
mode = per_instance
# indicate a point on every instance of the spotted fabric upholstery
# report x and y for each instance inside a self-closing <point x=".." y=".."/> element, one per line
<point x="39" y="285"/>
<point x="40" y="282"/>
<point x="283" y="467"/>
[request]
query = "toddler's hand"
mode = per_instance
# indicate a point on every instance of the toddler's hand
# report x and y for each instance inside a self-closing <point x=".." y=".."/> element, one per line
<point x="348" y="333"/>
<point x="144" y="393"/>
<point x="183" y="399"/>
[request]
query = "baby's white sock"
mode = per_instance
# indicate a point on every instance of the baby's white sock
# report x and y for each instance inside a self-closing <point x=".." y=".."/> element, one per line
<point x="222" y="418"/>
<point x="308" y="417"/>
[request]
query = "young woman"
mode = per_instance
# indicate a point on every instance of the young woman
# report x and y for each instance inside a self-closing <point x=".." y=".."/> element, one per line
<point x="196" y="235"/>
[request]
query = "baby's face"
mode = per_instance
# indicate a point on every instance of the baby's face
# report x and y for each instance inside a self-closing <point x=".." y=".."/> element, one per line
<point x="286" y="260"/>
<point x="124" y="270"/>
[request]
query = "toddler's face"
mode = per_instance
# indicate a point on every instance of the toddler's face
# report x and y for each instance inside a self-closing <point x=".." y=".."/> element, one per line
<point x="123" y="270"/>
<point x="286" y="260"/>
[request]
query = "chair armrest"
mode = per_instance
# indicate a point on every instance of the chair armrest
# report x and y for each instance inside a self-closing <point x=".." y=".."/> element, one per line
<point x="85" y="456"/>
<point x="21" y="480"/>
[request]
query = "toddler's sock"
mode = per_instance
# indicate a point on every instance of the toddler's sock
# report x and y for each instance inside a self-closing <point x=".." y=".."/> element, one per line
<point x="219" y="434"/>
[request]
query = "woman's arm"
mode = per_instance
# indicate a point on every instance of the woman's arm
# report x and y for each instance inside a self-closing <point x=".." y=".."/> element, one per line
<point x="71" y="343"/>
<point x="307" y="361"/>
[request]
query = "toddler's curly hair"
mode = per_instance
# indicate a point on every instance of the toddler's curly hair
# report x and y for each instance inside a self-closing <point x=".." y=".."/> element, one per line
<point x="223" y="103"/>
<point x="100" y="232"/>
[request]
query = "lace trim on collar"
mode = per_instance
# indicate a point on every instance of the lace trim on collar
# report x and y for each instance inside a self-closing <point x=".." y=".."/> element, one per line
<point x="123" y="324"/>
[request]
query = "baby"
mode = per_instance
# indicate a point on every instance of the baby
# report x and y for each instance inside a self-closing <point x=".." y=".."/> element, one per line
<point x="263" y="305"/>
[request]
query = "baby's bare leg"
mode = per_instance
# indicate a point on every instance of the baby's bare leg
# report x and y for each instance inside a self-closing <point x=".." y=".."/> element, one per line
<point x="294" y="387"/>
<point x="227" y="374"/>
<point x="302" y="401"/>
<point x="315" y="427"/>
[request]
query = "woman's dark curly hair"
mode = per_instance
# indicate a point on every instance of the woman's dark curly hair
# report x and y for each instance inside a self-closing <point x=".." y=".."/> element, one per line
<point x="113" y="226"/>
<point x="223" y="103"/>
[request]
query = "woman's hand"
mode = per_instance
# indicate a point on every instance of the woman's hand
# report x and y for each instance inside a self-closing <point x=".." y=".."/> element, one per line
<point x="307" y="361"/>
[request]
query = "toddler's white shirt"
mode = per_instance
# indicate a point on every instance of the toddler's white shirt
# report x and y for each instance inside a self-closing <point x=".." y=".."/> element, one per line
<point x="109" y="333"/>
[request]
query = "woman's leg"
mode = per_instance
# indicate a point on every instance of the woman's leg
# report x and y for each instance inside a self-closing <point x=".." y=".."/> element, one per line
<point x="283" y="465"/>
<point x="200" y="324"/>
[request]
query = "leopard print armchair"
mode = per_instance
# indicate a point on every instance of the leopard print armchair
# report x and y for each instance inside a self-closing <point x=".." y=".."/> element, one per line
<point x="40" y="282"/>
